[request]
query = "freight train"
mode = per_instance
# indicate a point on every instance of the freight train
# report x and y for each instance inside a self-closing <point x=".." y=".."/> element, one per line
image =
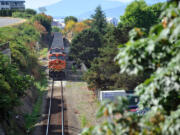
<point x="57" y="60"/>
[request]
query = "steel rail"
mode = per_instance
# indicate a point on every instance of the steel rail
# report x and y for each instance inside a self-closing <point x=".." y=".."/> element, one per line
<point x="49" y="113"/>
<point x="62" y="108"/>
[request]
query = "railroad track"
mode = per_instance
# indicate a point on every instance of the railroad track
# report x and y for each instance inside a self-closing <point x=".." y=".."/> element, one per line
<point x="56" y="113"/>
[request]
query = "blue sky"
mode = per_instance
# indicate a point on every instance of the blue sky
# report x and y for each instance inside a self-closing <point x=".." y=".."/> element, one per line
<point x="77" y="7"/>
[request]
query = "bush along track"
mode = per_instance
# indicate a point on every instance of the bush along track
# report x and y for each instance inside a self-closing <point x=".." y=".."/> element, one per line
<point x="23" y="74"/>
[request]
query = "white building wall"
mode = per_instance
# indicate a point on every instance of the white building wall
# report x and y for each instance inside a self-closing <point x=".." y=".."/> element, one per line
<point x="12" y="5"/>
<point x="4" y="6"/>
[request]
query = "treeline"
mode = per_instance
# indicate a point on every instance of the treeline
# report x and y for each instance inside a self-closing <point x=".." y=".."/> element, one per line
<point x="156" y="53"/>
<point x="24" y="70"/>
<point x="6" y="12"/>
<point x="73" y="27"/>
<point x="97" y="45"/>
<point x="27" y="13"/>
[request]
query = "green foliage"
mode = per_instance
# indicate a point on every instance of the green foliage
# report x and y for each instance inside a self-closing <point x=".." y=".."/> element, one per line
<point x="21" y="15"/>
<point x="22" y="41"/>
<point x="137" y="14"/>
<point x="13" y="85"/>
<point x="159" y="55"/>
<point x="28" y="13"/>
<point x="88" y="41"/>
<point x="44" y="20"/>
<point x="56" y="29"/>
<point x="43" y="53"/>
<point x="104" y="71"/>
<point x="6" y="12"/>
<point x="70" y="18"/>
<point x="31" y="11"/>
<point x="31" y="119"/>
<point x="19" y="75"/>
<point x="99" y="20"/>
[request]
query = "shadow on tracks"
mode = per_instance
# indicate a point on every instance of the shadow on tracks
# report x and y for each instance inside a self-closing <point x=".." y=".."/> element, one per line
<point x="56" y="130"/>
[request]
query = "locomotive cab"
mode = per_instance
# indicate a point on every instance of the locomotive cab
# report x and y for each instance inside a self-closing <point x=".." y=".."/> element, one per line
<point x="56" y="50"/>
<point x="57" y="62"/>
<point x="57" y="65"/>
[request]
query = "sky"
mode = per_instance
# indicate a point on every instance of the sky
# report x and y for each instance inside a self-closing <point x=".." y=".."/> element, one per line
<point x="34" y="4"/>
<point x="77" y="7"/>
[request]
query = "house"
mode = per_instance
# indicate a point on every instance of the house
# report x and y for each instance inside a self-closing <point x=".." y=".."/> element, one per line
<point x="12" y="4"/>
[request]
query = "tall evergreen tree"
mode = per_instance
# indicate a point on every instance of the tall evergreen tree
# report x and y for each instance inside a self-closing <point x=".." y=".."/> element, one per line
<point x="99" y="20"/>
<point x="85" y="45"/>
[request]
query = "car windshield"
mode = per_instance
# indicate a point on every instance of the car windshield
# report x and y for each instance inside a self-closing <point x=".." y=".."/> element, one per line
<point x="133" y="100"/>
<point x="60" y="57"/>
<point x="53" y="57"/>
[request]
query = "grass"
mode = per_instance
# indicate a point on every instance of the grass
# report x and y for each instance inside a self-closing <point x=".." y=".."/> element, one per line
<point x="31" y="119"/>
<point x="43" y="53"/>
<point x="84" y="121"/>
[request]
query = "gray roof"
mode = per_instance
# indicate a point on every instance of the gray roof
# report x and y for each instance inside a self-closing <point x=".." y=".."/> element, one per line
<point x="57" y="41"/>
<point x="12" y="0"/>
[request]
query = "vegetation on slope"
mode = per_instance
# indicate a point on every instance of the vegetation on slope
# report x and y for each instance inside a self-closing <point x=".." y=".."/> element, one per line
<point x="24" y="70"/>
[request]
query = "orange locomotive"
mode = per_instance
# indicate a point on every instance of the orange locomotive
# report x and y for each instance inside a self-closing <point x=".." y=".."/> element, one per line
<point x="57" y="60"/>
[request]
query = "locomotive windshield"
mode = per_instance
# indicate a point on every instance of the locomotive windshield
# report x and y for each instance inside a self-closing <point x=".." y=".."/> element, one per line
<point x="53" y="57"/>
<point x="57" y="50"/>
<point x="60" y="57"/>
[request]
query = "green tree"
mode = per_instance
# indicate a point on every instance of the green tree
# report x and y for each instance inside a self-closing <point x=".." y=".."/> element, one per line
<point x="72" y="18"/>
<point x="99" y="20"/>
<point x="84" y="46"/>
<point x="12" y="86"/>
<point x="159" y="52"/>
<point x="44" y="20"/>
<point x="137" y="14"/>
<point x="31" y="11"/>
<point x="56" y="29"/>
<point x="104" y="71"/>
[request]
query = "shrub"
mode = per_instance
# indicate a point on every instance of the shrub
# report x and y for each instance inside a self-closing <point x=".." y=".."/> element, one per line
<point x="56" y="29"/>
<point x="12" y="85"/>
<point x="6" y="12"/>
<point x="30" y="11"/>
<point x="20" y="14"/>
<point x="44" y="20"/>
<point x="88" y="41"/>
